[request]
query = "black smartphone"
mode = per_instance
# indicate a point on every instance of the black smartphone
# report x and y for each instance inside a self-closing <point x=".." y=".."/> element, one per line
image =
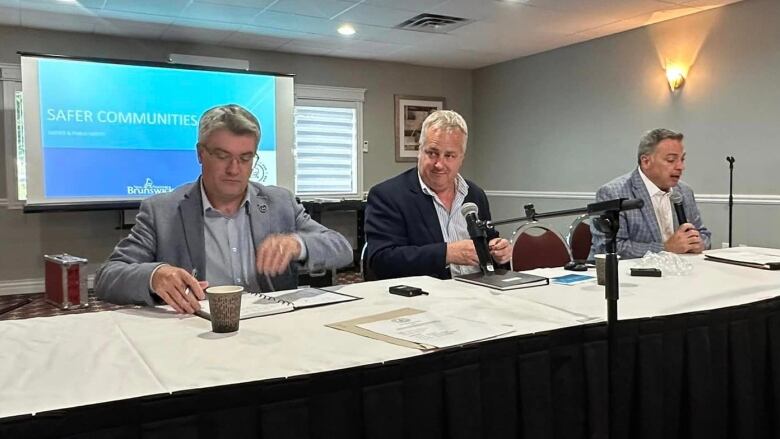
<point x="648" y="272"/>
<point x="406" y="291"/>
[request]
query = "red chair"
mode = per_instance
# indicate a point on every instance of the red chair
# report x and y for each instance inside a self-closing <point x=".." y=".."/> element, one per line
<point x="579" y="238"/>
<point x="535" y="245"/>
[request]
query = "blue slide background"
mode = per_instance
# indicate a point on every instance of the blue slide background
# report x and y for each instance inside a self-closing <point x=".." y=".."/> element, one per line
<point x="90" y="158"/>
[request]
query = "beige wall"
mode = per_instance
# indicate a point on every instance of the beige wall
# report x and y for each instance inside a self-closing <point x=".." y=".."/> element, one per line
<point x="25" y="238"/>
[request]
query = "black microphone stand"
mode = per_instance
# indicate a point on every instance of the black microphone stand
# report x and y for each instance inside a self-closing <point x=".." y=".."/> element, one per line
<point x="607" y="220"/>
<point x="731" y="160"/>
<point x="609" y="224"/>
<point x="478" y="233"/>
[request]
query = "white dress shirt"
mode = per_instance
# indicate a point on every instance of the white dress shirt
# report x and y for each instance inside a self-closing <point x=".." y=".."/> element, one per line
<point x="662" y="205"/>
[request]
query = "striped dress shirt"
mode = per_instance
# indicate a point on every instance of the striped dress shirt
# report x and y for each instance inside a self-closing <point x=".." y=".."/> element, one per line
<point x="452" y="222"/>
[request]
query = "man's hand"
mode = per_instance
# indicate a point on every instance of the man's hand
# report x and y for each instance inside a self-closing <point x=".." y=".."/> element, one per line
<point x="462" y="253"/>
<point x="275" y="253"/>
<point x="500" y="250"/>
<point x="685" y="240"/>
<point x="178" y="288"/>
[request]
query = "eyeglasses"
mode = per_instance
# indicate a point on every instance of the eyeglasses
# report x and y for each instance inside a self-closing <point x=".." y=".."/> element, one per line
<point x="245" y="159"/>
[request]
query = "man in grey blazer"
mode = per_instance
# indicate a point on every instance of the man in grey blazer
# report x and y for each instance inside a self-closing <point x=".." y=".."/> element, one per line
<point x="221" y="229"/>
<point x="655" y="227"/>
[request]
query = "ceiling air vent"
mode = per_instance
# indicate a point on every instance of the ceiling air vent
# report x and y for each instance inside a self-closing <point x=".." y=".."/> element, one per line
<point x="439" y="24"/>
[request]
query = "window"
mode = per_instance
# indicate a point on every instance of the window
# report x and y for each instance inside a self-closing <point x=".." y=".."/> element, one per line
<point x="328" y="139"/>
<point x="325" y="150"/>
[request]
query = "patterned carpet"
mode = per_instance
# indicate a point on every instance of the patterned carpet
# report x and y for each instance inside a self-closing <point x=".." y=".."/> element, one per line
<point x="25" y="306"/>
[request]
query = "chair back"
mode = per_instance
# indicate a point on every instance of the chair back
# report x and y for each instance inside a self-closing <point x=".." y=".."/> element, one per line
<point x="365" y="271"/>
<point x="536" y="245"/>
<point x="579" y="238"/>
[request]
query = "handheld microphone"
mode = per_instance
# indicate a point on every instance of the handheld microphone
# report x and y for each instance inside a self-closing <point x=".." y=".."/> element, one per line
<point x="677" y="199"/>
<point x="477" y="234"/>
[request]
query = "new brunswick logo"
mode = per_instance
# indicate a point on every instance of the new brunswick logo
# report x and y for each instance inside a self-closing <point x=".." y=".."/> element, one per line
<point x="148" y="188"/>
<point x="259" y="173"/>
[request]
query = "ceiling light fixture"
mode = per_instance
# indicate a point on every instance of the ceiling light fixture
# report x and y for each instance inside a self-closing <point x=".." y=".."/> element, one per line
<point x="346" y="30"/>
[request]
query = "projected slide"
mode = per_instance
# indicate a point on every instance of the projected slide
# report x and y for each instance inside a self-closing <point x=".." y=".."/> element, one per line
<point x="129" y="131"/>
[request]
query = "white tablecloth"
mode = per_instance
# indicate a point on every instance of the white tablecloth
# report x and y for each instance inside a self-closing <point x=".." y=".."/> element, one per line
<point x="57" y="362"/>
<point x="710" y="285"/>
<point x="60" y="362"/>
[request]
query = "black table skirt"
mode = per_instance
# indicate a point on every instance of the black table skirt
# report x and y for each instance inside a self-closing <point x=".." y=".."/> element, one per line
<point x="713" y="374"/>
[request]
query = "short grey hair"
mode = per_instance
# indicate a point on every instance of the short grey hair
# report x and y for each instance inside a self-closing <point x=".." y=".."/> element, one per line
<point x="234" y="118"/>
<point x="444" y="120"/>
<point x="652" y="138"/>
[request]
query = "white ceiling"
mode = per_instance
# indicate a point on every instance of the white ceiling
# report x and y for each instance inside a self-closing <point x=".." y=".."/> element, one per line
<point x="500" y="30"/>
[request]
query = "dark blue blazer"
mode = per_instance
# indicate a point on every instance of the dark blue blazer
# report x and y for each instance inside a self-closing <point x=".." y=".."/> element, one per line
<point x="402" y="229"/>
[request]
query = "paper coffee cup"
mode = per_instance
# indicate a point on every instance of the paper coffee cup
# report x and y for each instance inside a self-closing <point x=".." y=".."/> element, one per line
<point x="224" y="307"/>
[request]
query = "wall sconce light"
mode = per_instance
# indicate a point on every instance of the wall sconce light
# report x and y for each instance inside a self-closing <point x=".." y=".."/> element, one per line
<point x="676" y="76"/>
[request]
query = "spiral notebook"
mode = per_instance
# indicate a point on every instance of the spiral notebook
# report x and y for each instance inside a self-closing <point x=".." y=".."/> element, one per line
<point x="264" y="304"/>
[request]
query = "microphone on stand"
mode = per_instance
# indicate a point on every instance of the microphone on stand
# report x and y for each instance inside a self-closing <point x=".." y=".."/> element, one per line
<point x="677" y="199"/>
<point x="477" y="234"/>
<point x="731" y="160"/>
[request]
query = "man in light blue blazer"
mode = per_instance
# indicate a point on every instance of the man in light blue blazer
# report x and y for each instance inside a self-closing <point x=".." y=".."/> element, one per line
<point x="655" y="227"/>
<point x="220" y="230"/>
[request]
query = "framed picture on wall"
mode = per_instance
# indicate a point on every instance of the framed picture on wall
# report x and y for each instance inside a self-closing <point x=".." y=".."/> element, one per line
<point x="410" y="112"/>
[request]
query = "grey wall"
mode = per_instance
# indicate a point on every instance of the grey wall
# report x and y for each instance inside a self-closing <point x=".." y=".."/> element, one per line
<point x="570" y="119"/>
<point x="25" y="238"/>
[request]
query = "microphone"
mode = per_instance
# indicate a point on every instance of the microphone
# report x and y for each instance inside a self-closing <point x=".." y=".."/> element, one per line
<point x="677" y="199"/>
<point x="615" y="205"/>
<point x="631" y="204"/>
<point x="477" y="234"/>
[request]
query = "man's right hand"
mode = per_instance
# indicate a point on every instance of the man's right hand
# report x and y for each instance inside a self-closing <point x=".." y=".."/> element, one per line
<point x="685" y="240"/>
<point x="462" y="253"/>
<point x="178" y="288"/>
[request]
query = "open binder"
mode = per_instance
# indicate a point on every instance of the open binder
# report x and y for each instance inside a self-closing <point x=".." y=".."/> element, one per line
<point x="264" y="304"/>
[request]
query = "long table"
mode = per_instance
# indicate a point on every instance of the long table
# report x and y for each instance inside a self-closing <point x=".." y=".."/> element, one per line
<point x="696" y="356"/>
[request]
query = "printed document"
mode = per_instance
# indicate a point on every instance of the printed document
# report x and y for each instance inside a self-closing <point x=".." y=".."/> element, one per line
<point x="430" y="329"/>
